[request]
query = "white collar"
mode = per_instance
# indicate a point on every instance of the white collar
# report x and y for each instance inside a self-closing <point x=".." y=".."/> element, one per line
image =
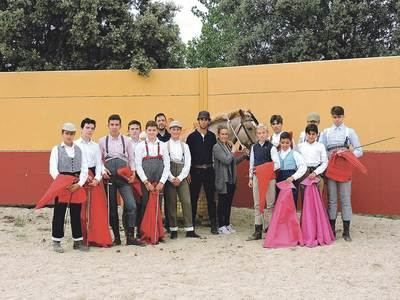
<point x="150" y="142"/>
<point x="81" y="140"/>
<point x="66" y="146"/>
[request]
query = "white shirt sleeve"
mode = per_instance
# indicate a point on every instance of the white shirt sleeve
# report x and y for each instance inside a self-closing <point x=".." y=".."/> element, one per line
<point x="84" y="168"/>
<point x="301" y="165"/>
<point x="251" y="164"/>
<point x="99" y="164"/>
<point x="167" y="162"/>
<point x="139" y="154"/>
<point x="188" y="161"/>
<point x="324" y="161"/>
<point x="275" y="158"/>
<point x="53" y="163"/>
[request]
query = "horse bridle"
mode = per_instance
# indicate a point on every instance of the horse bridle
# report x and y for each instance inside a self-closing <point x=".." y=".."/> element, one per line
<point x="237" y="130"/>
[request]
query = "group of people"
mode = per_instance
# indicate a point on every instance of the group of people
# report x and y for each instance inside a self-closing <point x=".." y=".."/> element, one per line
<point x="148" y="166"/>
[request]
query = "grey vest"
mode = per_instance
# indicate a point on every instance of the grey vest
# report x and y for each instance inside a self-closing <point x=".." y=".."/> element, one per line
<point x="68" y="164"/>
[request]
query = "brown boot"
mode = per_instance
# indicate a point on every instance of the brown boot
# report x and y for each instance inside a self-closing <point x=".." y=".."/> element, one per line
<point x="130" y="238"/>
<point x="257" y="234"/>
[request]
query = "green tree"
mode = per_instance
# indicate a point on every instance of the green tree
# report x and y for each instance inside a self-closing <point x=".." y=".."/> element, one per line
<point x="276" y="31"/>
<point x="88" y="34"/>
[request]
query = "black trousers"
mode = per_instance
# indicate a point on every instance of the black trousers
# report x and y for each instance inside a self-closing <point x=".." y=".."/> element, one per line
<point x="59" y="217"/>
<point x="225" y="205"/>
<point x="205" y="178"/>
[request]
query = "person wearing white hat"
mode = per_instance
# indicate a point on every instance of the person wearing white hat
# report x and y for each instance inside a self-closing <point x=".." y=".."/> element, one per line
<point x="177" y="184"/>
<point x="68" y="159"/>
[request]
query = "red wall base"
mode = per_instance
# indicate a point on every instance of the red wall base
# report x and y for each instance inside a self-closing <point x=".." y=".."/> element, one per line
<point x="26" y="177"/>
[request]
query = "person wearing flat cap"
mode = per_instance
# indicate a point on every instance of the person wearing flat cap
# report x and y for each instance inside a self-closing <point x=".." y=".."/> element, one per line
<point x="201" y="143"/>
<point x="177" y="184"/>
<point x="312" y="118"/>
<point x="68" y="159"/>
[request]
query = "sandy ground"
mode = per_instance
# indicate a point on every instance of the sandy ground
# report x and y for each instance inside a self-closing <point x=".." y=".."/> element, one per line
<point x="217" y="267"/>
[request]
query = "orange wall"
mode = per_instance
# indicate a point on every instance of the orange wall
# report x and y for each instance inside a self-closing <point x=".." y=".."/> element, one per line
<point x="35" y="104"/>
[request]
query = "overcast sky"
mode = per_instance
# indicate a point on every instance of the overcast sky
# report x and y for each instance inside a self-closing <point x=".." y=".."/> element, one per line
<point x="190" y="25"/>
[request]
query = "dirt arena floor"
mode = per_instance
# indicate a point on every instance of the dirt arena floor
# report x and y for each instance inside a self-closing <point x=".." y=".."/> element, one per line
<point x="216" y="267"/>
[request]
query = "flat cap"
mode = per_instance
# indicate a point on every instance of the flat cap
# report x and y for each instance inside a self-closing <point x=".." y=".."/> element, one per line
<point x="175" y="124"/>
<point x="313" y="116"/>
<point x="204" y="115"/>
<point x="69" y="127"/>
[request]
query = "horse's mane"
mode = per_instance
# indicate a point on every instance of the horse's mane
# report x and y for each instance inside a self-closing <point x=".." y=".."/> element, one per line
<point x="225" y="116"/>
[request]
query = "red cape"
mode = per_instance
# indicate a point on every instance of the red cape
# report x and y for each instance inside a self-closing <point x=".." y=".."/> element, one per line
<point x="284" y="228"/>
<point x="58" y="188"/>
<point x="97" y="232"/>
<point x="126" y="172"/>
<point x="341" y="165"/>
<point x="151" y="228"/>
<point x="265" y="173"/>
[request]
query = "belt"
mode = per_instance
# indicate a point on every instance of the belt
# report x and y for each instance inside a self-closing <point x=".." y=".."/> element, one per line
<point x="337" y="147"/>
<point x="205" y="166"/>
<point x="76" y="174"/>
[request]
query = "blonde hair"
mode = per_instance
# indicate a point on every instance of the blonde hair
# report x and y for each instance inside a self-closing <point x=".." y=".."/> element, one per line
<point x="261" y="126"/>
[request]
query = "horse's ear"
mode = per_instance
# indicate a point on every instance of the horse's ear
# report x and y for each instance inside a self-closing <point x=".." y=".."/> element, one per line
<point x="253" y="117"/>
<point x="241" y="113"/>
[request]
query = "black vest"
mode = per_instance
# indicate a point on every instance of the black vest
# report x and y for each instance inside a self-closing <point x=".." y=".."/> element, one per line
<point x="262" y="154"/>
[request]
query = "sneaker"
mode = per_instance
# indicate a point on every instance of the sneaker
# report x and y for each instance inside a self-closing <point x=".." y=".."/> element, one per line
<point x="79" y="245"/>
<point x="223" y="230"/>
<point x="230" y="228"/>
<point x="57" y="247"/>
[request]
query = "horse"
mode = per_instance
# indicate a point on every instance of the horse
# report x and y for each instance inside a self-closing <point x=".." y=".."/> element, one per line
<point x="241" y="126"/>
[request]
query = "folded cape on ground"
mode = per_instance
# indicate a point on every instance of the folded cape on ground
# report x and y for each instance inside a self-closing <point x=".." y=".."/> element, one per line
<point x="58" y="188"/>
<point x="341" y="165"/>
<point x="126" y="172"/>
<point x="152" y="228"/>
<point x="265" y="173"/>
<point x="315" y="225"/>
<point x="284" y="229"/>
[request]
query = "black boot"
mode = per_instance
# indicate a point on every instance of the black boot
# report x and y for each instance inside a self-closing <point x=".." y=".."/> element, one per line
<point x="174" y="235"/>
<point x="257" y="234"/>
<point x="333" y="226"/>
<point x="214" y="228"/>
<point x="346" y="231"/>
<point x="192" y="234"/>
<point x="117" y="237"/>
<point x="130" y="238"/>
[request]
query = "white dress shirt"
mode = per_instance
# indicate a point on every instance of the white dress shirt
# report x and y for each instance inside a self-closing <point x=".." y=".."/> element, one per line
<point x="275" y="138"/>
<point x="300" y="163"/>
<point x="336" y="135"/>
<point x="176" y="155"/>
<point x="274" y="157"/>
<point x="314" y="155"/>
<point x="71" y="153"/>
<point x="140" y="153"/>
<point x="93" y="155"/>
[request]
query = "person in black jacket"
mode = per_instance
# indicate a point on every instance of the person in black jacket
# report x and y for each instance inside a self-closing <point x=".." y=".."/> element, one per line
<point x="201" y="143"/>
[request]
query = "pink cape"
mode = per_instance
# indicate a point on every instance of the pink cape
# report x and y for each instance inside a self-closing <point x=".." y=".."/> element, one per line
<point x="341" y="165"/>
<point x="58" y="188"/>
<point x="265" y="173"/>
<point x="152" y="228"/>
<point x="284" y="228"/>
<point x="314" y="218"/>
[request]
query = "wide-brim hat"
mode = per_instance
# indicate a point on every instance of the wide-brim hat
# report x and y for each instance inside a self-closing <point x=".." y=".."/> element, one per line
<point x="69" y="127"/>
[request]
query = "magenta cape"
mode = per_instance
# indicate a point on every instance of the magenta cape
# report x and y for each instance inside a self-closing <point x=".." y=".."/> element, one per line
<point x="284" y="228"/>
<point x="264" y="173"/>
<point x="314" y="218"/>
<point x="152" y="228"/>
<point x="58" y="188"/>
